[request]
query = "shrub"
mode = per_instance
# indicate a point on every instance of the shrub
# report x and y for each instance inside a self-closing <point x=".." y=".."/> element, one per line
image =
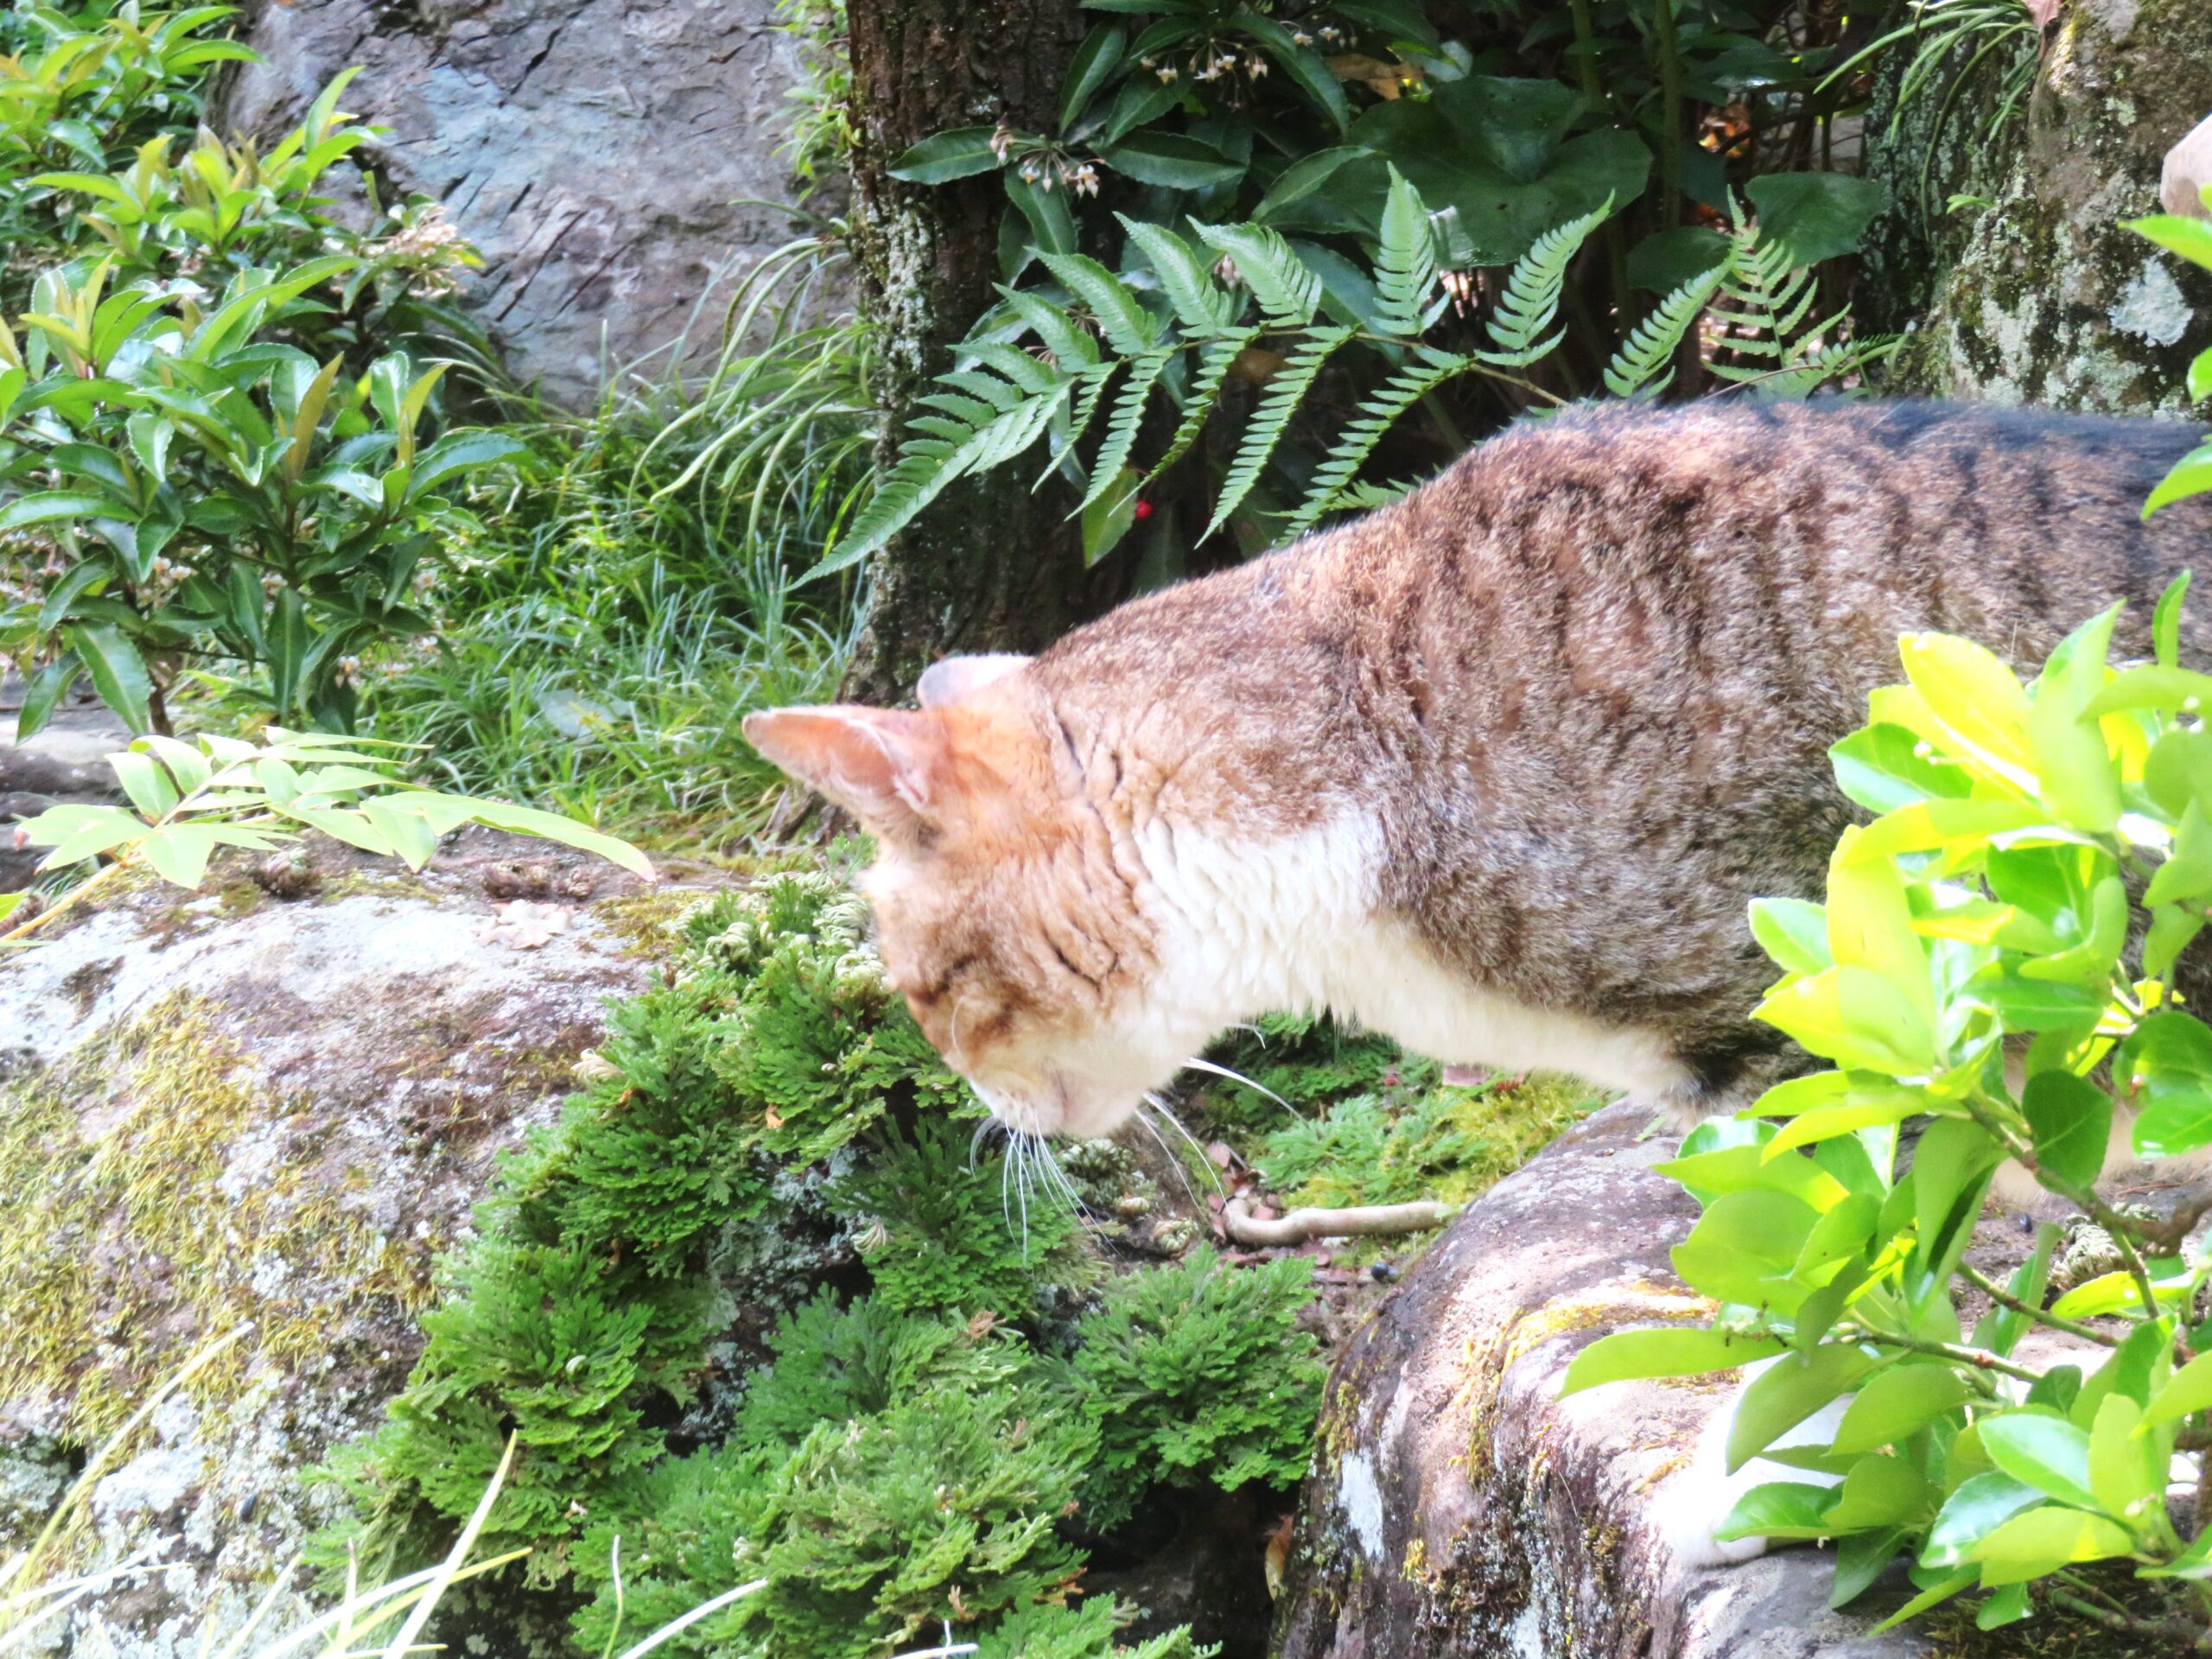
<point x="1986" y="911"/>
<point x="1053" y="1631"/>
<point x="953" y="1235"/>
<point x="1199" y="1373"/>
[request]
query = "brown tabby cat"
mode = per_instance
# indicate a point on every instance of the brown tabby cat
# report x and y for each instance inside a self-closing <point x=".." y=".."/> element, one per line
<point x="1495" y="770"/>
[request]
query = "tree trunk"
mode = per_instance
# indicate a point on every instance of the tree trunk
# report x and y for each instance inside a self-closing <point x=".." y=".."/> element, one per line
<point x="990" y="565"/>
<point x="2051" y="301"/>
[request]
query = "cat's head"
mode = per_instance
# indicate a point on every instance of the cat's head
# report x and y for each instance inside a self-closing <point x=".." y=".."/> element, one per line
<point x="1003" y="913"/>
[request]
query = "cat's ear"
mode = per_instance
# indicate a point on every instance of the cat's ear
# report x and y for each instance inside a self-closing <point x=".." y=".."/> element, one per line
<point x="880" y="764"/>
<point x="945" y="683"/>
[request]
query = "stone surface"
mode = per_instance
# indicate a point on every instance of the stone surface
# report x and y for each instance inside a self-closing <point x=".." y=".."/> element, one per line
<point x="597" y="152"/>
<point x="2052" y="301"/>
<point x="64" y="763"/>
<point x="1459" y="1510"/>
<point x="236" y="1111"/>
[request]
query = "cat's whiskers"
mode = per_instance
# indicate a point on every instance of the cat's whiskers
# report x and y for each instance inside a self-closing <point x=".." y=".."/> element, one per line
<point x="1167" y="1152"/>
<point x="1197" y="1064"/>
<point x="1176" y="1123"/>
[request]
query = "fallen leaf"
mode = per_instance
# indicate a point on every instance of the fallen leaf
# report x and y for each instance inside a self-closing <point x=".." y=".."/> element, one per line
<point x="522" y="925"/>
<point x="2042" y="12"/>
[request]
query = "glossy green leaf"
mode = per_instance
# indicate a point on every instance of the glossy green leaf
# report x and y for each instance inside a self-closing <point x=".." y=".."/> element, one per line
<point x="2071" y="1120"/>
<point x="1669" y="1351"/>
<point x="1898" y="1403"/>
<point x="2033" y="1544"/>
<point x="1856" y="1018"/>
<point x="2046" y="1452"/>
<point x="943" y="156"/>
<point x="118" y="672"/>
<point x="1787" y="1392"/>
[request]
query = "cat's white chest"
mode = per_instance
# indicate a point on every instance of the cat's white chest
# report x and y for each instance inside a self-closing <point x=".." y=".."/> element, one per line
<point x="1292" y="923"/>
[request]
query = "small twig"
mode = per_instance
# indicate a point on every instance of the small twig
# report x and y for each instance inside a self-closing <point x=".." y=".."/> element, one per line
<point x="2004" y="1298"/>
<point x="2122" y="1228"/>
<point x="2198" y="1637"/>
<point x="1301" y="1225"/>
<point x="1981" y="1358"/>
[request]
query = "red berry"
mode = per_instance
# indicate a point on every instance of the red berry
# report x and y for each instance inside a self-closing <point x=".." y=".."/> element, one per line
<point x="1142" y="510"/>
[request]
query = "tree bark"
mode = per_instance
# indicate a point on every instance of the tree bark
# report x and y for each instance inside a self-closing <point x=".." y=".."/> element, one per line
<point x="991" y="565"/>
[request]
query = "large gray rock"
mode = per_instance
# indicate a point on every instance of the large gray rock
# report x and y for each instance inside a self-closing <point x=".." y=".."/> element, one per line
<point x="595" y="151"/>
<point x="241" y="1111"/>
<point x="1459" y="1509"/>
<point x="2051" y="299"/>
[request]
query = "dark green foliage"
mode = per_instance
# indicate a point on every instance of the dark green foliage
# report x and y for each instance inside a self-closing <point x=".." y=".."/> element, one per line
<point x="1308" y="1060"/>
<point x="833" y="1365"/>
<point x="653" y="1156"/>
<point x="1052" y="1631"/>
<point x="1199" y="1373"/>
<point x="955" y="1235"/>
<point x="939" y="1507"/>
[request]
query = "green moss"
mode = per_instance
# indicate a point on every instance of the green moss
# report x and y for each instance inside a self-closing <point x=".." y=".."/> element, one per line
<point x="128" y="1241"/>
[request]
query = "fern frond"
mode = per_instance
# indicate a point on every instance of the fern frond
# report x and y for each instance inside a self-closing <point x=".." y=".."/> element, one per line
<point x="1532" y="293"/>
<point x="1128" y="328"/>
<point x="1405" y="263"/>
<point x="1199" y="401"/>
<point x="1071" y="346"/>
<point x="1089" y="392"/>
<point x="929" y="465"/>
<point x="1200" y="305"/>
<point x="1360" y="496"/>
<point x="1635" y="368"/>
<point x="1285" y="286"/>
<point x="1270" y="421"/>
<point x="1120" y="437"/>
<point x="1357" y="441"/>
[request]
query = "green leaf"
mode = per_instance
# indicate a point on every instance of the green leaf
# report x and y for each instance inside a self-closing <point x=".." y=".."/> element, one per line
<point x="288" y="642"/>
<point x="1674" y="1352"/>
<point x="943" y="156"/>
<point x="1130" y="329"/>
<point x="2044" y="1451"/>
<point x="551" y="826"/>
<point x="2190" y="238"/>
<point x="1855" y="1018"/>
<point x="1405" y="265"/>
<point x="2039" y="1542"/>
<point x="2128" y="1469"/>
<point x="118" y="672"/>
<point x="1898" y="1403"/>
<point x="1979" y="1507"/>
<point x="1787" y="1392"/>
<point x="1533" y="289"/>
<point x="1880" y="767"/>
<point x="2189" y="1390"/>
<point x="2071" y="1120"/>
<point x="1051" y="222"/>
<point x="1199" y="304"/>
<point x="1814" y="216"/>
<point x="1094" y="63"/>
<point x="1107" y="517"/>
<point x="2187" y="873"/>
<point x="45" y="507"/>
<point x="1880" y="1493"/>
<point x="43" y="693"/>
<point x="144" y="782"/>
<point x="2165" y="620"/>
<point x="1973" y="694"/>
<point x="77" y="833"/>
<point x="1170" y="161"/>
<point x="1780" y="1509"/>
<point x="1286" y="287"/>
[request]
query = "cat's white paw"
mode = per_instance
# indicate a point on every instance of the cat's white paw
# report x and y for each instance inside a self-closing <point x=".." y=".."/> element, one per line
<point x="1694" y="1501"/>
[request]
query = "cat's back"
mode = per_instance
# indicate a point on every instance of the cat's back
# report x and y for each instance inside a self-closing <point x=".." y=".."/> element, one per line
<point x="1824" y="527"/>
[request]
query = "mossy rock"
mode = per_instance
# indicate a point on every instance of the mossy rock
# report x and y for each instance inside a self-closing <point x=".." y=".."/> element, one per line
<point x="2051" y="301"/>
<point x="237" y="1112"/>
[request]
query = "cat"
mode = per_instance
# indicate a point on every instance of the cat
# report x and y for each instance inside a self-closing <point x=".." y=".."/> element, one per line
<point x="1495" y="770"/>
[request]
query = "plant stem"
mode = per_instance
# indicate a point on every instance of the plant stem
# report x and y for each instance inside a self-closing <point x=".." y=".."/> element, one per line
<point x="2198" y="1637"/>
<point x="1594" y="95"/>
<point x="2004" y="1298"/>
<point x="25" y="929"/>
<point x="1670" y="112"/>
<point x="1981" y="1358"/>
<point x="2120" y="1227"/>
